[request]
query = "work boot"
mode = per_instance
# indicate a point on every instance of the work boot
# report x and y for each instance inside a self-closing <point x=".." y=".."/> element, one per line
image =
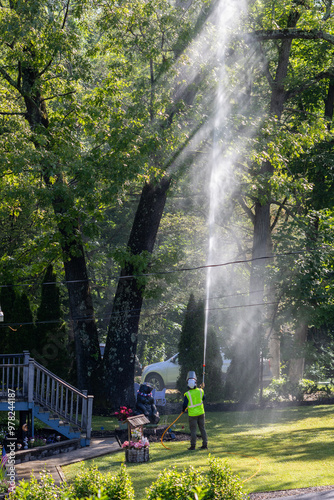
<point x="204" y="447"/>
<point x="192" y="448"/>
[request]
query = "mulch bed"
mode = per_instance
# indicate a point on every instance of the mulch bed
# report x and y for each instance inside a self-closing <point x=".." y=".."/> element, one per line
<point x="153" y="434"/>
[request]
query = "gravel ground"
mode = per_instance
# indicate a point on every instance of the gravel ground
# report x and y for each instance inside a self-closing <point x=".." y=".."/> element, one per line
<point x="287" y="493"/>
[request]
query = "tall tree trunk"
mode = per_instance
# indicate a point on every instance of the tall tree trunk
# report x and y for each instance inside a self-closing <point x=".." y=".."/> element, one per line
<point x="83" y="323"/>
<point x="249" y="349"/>
<point x="80" y="300"/>
<point x="249" y="353"/>
<point x="296" y="365"/>
<point x="121" y="345"/>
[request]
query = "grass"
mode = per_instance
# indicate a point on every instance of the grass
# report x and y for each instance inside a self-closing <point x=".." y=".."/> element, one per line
<point x="293" y="447"/>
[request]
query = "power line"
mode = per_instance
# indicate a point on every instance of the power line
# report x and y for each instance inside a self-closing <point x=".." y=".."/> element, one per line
<point x="157" y="273"/>
<point x="92" y="318"/>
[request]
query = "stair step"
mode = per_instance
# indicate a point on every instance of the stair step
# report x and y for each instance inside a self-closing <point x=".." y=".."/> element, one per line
<point x="43" y="410"/>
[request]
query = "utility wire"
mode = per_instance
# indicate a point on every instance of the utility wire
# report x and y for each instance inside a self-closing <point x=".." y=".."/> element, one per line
<point x="157" y="273"/>
<point x="92" y="318"/>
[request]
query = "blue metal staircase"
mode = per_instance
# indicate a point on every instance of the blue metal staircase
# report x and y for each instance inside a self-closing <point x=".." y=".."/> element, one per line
<point x="27" y="385"/>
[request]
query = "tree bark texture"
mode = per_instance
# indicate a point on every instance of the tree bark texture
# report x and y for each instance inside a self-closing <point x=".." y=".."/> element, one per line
<point x="329" y="100"/>
<point x="289" y="34"/>
<point x="296" y="365"/>
<point x="249" y="348"/>
<point x="249" y="351"/>
<point x="121" y="345"/>
<point x="80" y="300"/>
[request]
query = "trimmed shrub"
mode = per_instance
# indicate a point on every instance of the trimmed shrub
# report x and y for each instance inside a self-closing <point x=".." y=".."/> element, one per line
<point x="115" y="487"/>
<point x="174" y="485"/>
<point x="190" y="484"/>
<point x="88" y="481"/>
<point x="222" y="484"/>
<point x="45" y="489"/>
<point x="218" y="484"/>
<point x="88" y="484"/>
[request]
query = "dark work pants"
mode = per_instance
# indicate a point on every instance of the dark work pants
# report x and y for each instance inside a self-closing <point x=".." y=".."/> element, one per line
<point x="193" y="422"/>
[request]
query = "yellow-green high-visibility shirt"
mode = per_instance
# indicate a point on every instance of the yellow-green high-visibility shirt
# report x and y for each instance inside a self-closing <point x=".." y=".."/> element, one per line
<point x="195" y="402"/>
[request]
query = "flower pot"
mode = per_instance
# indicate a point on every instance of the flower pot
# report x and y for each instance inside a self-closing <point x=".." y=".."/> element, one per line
<point x="122" y="425"/>
<point x="137" y="455"/>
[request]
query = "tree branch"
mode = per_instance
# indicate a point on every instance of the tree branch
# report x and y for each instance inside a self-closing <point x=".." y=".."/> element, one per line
<point x="247" y="210"/>
<point x="9" y="79"/>
<point x="288" y="212"/>
<point x="19" y="75"/>
<point x="8" y="113"/>
<point x="327" y="14"/>
<point x="287" y="34"/>
<point x="302" y="112"/>
<point x="57" y="95"/>
<point x="47" y="66"/>
<point x="278" y="213"/>
<point x="66" y="14"/>
<point x="265" y="65"/>
<point x="62" y="27"/>
<point x="320" y="76"/>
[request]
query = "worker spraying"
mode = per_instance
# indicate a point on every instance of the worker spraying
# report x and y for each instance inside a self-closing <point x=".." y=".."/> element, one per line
<point x="193" y="400"/>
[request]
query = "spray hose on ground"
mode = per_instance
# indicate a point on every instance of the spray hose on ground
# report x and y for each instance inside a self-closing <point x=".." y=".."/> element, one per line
<point x="162" y="437"/>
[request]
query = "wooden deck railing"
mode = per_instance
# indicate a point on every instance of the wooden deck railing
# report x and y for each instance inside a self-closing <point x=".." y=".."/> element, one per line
<point x="35" y="384"/>
<point x="11" y="372"/>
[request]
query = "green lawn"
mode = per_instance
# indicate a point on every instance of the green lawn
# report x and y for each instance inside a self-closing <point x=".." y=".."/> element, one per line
<point x="293" y="446"/>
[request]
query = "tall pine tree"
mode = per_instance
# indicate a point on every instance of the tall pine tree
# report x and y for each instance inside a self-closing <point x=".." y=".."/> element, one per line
<point x="51" y="345"/>
<point x="191" y="351"/>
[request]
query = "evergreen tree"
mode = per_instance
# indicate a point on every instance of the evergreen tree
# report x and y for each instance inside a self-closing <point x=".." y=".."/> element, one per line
<point x="8" y="340"/>
<point x="50" y="344"/>
<point x="213" y="370"/>
<point x="191" y="342"/>
<point x="23" y="330"/>
<point x="191" y="347"/>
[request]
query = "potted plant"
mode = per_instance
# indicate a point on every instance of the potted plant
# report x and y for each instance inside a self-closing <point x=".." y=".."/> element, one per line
<point x="137" y="451"/>
<point x="122" y="415"/>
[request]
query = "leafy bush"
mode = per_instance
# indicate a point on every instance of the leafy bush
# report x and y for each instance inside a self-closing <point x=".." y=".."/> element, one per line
<point x="87" y="481"/>
<point x="89" y="484"/>
<point x="282" y="389"/>
<point x="222" y="484"/>
<point x="119" y="487"/>
<point x="173" y="485"/>
<point x="4" y="484"/>
<point x="45" y="489"/>
<point x="91" y="481"/>
<point x="218" y="484"/>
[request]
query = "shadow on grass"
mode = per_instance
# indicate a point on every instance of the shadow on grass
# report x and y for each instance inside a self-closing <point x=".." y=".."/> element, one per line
<point x="294" y="446"/>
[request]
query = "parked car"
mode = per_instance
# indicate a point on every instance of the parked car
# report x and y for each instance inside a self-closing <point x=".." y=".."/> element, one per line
<point x="138" y="365"/>
<point x="165" y="373"/>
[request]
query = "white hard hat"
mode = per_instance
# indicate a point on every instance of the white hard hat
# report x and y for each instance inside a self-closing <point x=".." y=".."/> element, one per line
<point x="192" y="383"/>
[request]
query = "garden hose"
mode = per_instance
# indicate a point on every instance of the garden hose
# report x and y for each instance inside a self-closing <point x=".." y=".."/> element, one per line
<point x="247" y="456"/>
<point x="162" y="437"/>
<point x="255" y="473"/>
